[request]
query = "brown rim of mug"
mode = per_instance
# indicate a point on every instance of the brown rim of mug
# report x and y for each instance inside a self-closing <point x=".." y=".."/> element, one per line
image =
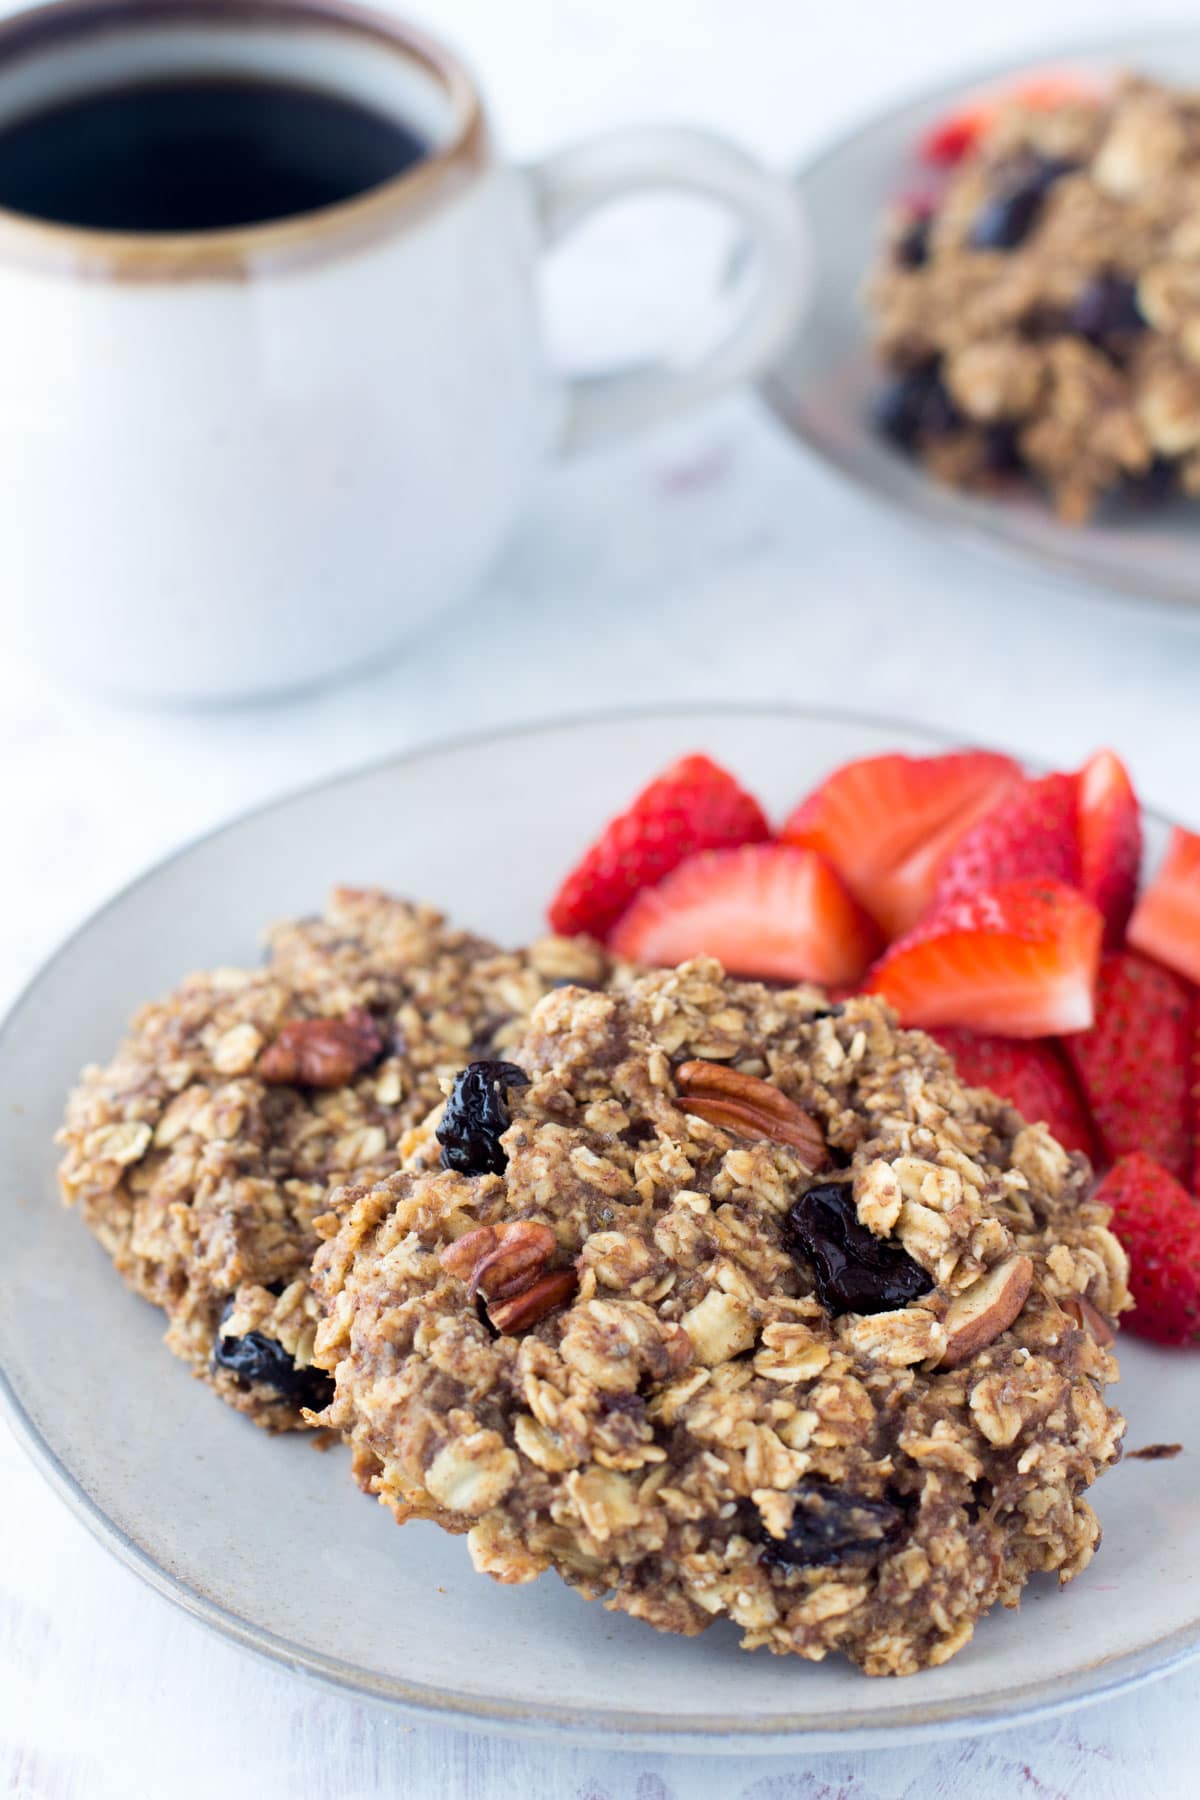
<point x="245" y="250"/>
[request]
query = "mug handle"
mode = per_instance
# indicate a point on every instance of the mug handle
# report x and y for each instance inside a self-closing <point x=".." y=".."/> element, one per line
<point x="573" y="183"/>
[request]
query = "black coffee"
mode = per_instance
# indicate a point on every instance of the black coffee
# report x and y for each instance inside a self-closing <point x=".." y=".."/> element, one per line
<point x="197" y="154"/>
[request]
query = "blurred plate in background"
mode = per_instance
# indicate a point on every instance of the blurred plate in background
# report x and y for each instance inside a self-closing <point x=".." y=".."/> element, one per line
<point x="822" y="388"/>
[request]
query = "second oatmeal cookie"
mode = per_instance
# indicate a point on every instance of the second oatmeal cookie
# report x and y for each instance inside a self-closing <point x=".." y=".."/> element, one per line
<point x="202" y="1153"/>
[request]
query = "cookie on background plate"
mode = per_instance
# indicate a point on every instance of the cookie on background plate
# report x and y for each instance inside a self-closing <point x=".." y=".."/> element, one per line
<point x="1037" y="313"/>
<point x="202" y="1153"/>
<point x="752" y="1310"/>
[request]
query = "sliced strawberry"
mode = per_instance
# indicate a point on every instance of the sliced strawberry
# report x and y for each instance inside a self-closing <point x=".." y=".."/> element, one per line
<point x="1159" y="1224"/>
<point x="1031" y="831"/>
<point x="1055" y="88"/>
<point x="948" y="140"/>
<point x="887" y="822"/>
<point x="1033" y="1076"/>
<point x="1135" y="1064"/>
<point x="1110" y="841"/>
<point x="766" y="910"/>
<point x="1166" y="920"/>
<point x="693" y="805"/>
<point x="1019" y="959"/>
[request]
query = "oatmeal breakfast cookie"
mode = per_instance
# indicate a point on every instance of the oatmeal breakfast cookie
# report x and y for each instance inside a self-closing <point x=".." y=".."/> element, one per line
<point x="742" y="1305"/>
<point x="1044" y="317"/>
<point x="202" y="1153"/>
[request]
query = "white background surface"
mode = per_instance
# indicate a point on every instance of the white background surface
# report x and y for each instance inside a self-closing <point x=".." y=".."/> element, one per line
<point x="713" y="561"/>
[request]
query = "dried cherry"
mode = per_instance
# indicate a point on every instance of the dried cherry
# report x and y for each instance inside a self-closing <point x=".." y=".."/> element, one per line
<point x="830" y="1525"/>
<point x="1106" y="308"/>
<point x="854" y="1270"/>
<point x="476" y="1117"/>
<point x="1006" y="219"/>
<point x="258" y="1358"/>
<point x="916" y="408"/>
<point x="912" y="246"/>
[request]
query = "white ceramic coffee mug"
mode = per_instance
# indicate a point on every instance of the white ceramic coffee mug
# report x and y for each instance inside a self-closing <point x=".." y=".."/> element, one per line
<point x="246" y="460"/>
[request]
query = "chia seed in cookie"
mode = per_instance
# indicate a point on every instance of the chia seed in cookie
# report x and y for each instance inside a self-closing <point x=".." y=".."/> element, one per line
<point x="765" y="1317"/>
<point x="202" y="1153"/>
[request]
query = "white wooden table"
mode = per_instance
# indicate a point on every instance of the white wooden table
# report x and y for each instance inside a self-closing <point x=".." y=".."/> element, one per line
<point x="714" y="561"/>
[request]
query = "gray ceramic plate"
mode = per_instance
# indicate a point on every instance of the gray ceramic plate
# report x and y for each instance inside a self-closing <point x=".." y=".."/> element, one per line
<point x="821" y="388"/>
<point x="269" y="1542"/>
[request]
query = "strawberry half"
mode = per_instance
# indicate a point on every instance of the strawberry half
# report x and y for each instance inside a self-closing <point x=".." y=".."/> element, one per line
<point x="1031" y="831"/>
<point x="1033" y="1076"/>
<point x="1110" y="841"/>
<point x="1019" y="959"/>
<point x="1166" y="920"/>
<point x="693" y="805"/>
<point x="765" y="909"/>
<point x="950" y="139"/>
<point x="887" y="822"/>
<point x="1135" y="1064"/>
<point x="1159" y="1224"/>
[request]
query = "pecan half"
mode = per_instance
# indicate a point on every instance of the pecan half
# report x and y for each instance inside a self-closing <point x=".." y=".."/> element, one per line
<point x="460" y="1257"/>
<point x="749" y="1108"/>
<point x="533" y="1303"/>
<point x="499" y="1260"/>
<point x="1090" y="1319"/>
<point x="981" y="1312"/>
<point x="505" y="1264"/>
<point x="322" y="1053"/>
